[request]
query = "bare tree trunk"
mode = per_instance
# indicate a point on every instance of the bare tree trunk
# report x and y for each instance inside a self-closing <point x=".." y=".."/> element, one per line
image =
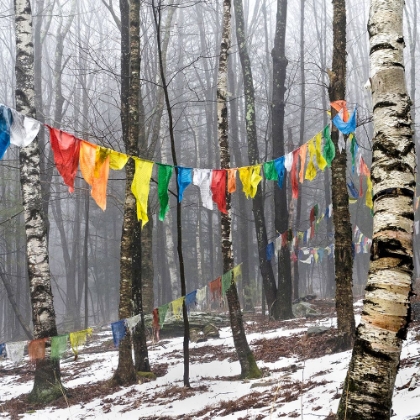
<point x="47" y="384"/>
<point x="249" y="368"/>
<point x="367" y="392"/>
<point x="157" y="19"/>
<point x="340" y="200"/>
<point x="125" y="373"/>
<point x="284" y="292"/>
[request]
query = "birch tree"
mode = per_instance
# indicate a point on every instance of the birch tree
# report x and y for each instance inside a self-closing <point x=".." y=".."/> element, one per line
<point x="47" y="384"/>
<point x="367" y="391"/>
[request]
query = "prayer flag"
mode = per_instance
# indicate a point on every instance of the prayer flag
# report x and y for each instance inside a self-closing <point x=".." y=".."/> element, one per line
<point x="184" y="179"/>
<point x="329" y="149"/>
<point x="141" y="187"/>
<point x="15" y="351"/>
<point x="23" y="129"/>
<point x="118" y="331"/>
<point x="293" y="175"/>
<point x="202" y="179"/>
<point x="6" y="120"/>
<point x="190" y="300"/>
<point x="310" y="169"/>
<point x="132" y="322"/>
<point x="66" y="150"/>
<point x="320" y="161"/>
<point x="163" y="309"/>
<point x="231" y="173"/>
<point x="226" y="282"/>
<point x="346" y="127"/>
<point x="218" y="188"/>
<point x="215" y="287"/>
<point x="77" y="339"/>
<point x="58" y="346"/>
<point x="177" y="307"/>
<point x="302" y="154"/>
<point x="36" y="349"/>
<point x="269" y="251"/>
<point x="164" y="176"/>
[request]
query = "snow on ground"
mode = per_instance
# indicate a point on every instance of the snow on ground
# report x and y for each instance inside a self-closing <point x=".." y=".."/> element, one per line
<point x="293" y="387"/>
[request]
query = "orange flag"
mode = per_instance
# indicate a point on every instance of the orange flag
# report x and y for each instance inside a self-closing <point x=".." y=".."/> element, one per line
<point x="341" y="105"/>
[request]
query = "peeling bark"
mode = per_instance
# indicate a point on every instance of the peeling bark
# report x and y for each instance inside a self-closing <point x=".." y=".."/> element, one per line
<point x="369" y="385"/>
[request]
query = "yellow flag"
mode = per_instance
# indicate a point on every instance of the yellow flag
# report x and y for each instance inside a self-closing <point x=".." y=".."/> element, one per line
<point x="237" y="273"/>
<point x="117" y="160"/>
<point x="255" y="179"/>
<point x="250" y="178"/>
<point x="320" y="160"/>
<point x="369" y="201"/>
<point x="310" y="173"/>
<point x="245" y="177"/>
<point x="177" y="307"/>
<point x="78" y="338"/>
<point x="141" y="187"/>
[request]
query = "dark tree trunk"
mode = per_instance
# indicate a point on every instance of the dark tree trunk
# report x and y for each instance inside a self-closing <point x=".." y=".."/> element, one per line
<point x="284" y="292"/>
<point x="340" y="200"/>
<point x="249" y="368"/>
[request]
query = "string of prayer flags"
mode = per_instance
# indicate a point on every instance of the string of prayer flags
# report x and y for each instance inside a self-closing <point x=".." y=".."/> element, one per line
<point x="329" y="149"/>
<point x="190" y="300"/>
<point x="346" y="127"/>
<point x="231" y="175"/>
<point x="141" y="187"/>
<point x="78" y="339"/>
<point x="177" y="307"/>
<point x="164" y="176"/>
<point x="66" y="151"/>
<point x="132" y="322"/>
<point x="15" y="351"/>
<point x="202" y="179"/>
<point x="6" y="120"/>
<point x="36" y="349"/>
<point x="215" y="288"/>
<point x="58" y="346"/>
<point x="118" y="331"/>
<point x="218" y="189"/>
<point x="23" y="129"/>
<point x="184" y="179"/>
<point x="163" y="309"/>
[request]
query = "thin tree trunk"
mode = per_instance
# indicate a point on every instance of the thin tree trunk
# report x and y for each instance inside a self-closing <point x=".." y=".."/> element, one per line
<point x="340" y="200"/>
<point x="125" y="373"/>
<point x="284" y="291"/>
<point x="47" y="384"/>
<point x="367" y="392"/>
<point x="249" y="368"/>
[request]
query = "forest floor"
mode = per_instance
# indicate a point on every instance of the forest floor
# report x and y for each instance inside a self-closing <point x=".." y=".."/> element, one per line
<point x="303" y="376"/>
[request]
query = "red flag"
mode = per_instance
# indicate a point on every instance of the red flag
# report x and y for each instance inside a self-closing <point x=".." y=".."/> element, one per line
<point x="66" y="149"/>
<point x="293" y="174"/>
<point x="218" y="188"/>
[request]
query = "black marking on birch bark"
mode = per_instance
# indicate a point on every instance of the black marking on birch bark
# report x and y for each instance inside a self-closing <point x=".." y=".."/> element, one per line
<point x="393" y="192"/>
<point x="367" y="348"/>
<point x="383" y="46"/>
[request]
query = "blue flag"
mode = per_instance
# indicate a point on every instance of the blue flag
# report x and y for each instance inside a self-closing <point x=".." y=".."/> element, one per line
<point x="280" y="169"/>
<point x="269" y="251"/>
<point x="184" y="179"/>
<point x="118" y="331"/>
<point x="346" y="127"/>
<point x="6" y="120"/>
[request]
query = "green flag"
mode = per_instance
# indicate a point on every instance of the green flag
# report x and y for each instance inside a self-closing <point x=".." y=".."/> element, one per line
<point x="164" y="176"/>
<point x="162" y="314"/>
<point x="226" y="281"/>
<point x="58" y="346"/>
<point x="270" y="172"/>
<point x="329" y="150"/>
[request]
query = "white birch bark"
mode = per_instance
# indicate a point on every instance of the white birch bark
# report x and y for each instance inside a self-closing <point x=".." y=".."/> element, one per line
<point x="47" y="384"/>
<point x="368" y="389"/>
